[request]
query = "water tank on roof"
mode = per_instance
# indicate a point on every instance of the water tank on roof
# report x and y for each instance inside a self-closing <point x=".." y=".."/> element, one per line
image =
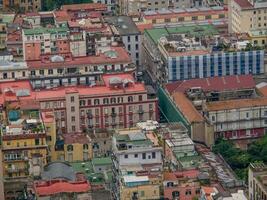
<point x="13" y="115"/>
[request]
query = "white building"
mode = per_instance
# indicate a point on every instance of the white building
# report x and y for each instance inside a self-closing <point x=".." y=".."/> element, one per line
<point x="127" y="32"/>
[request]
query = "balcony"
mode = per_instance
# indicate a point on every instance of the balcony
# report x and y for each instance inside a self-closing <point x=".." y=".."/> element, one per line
<point x="17" y="169"/>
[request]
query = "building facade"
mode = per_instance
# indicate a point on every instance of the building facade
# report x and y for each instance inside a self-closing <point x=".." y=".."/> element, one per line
<point x="257" y="176"/>
<point x="23" y="5"/>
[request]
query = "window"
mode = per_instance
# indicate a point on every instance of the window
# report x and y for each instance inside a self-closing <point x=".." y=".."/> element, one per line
<point x="69" y="148"/>
<point x="50" y="71"/>
<point x="136" y="38"/>
<point x="97" y="111"/>
<point x="89" y="102"/>
<point x="96" y="102"/>
<point x="175" y="194"/>
<point x="188" y="192"/>
<point x="85" y="146"/>
<point x="143" y="156"/>
<point x="136" y="155"/>
<point x="37" y="142"/>
<point x="41" y="72"/>
<point x="13" y="74"/>
<point x="130" y="99"/>
<point x="150" y="106"/>
<point x="140" y="97"/>
<point x="72" y="109"/>
<point x="113" y="100"/>
<point x="213" y="118"/>
<point x="247" y="115"/>
<point x="120" y="99"/>
<point x="72" y="99"/>
<point x="82" y="102"/>
<point x="73" y="128"/>
<point x="126" y="156"/>
<point x="73" y="119"/>
<point x="130" y="109"/>
<point x="33" y="73"/>
<point x="105" y="101"/>
<point x="153" y="154"/>
<point x="136" y="46"/>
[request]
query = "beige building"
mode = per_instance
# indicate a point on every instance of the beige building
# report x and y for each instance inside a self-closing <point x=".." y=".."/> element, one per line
<point x="247" y="15"/>
<point x="257" y="179"/>
<point x="134" y="7"/>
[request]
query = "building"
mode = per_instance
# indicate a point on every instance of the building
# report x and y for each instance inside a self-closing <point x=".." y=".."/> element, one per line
<point x="181" y="185"/>
<point x="22" y="5"/>
<point x="135" y="154"/>
<point x="124" y="28"/>
<point x="198" y="52"/>
<point x="11" y="70"/>
<point x="101" y="164"/>
<point x="101" y="142"/>
<point x="118" y="102"/>
<point x="111" y="5"/>
<point x="134" y="7"/>
<point x="248" y="16"/>
<point x="229" y="96"/>
<point x="72" y="147"/>
<point x="183" y="16"/>
<point x="257" y="176"/>
<point x="60" y="180"/>
<point x="24" y="147"/>
<point x="39" y="41"/>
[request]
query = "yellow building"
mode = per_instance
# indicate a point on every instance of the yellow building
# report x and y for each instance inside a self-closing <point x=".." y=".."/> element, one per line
<point x="142" y="192"/>
<point x="23" y="144"/>
<point x="247" y="15"/>
<point x="73" y="147"/>
<point x="258" y="37"/>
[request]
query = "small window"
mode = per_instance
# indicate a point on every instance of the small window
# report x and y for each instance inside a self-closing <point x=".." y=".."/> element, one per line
<point x="130" y="99"/>
<point x="136" y="155"/>
<point x="153" y="154"/>
<point x="85" y="146"/>
<point x="72" y="99"/>
<point x="140" y="97"/>
<point x="126" y="156"/>
<point x="69" y="148"/>
<point x="143" y="156"/>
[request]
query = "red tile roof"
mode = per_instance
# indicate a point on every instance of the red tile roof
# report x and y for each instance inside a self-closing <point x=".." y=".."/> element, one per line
<point x="187" y="108"/>
<point x="72" y="138"/>
<point x="122" y="58"/>
<point x="61" y="16"/>
<point x="244" y="4"/>
<point x="84" y="6"/>
<point x="8" y="90"/>
<point x="47" y="189"/>
<point x="143" y="27"/>
<point x="214" y="83"/>
<point x="173" y="176"/>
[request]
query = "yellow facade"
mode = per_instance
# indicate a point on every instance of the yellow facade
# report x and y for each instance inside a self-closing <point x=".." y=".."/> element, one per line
<point x="17" y="153"/>
<point x="144" y="192"/>
<point x="78" y="152"/>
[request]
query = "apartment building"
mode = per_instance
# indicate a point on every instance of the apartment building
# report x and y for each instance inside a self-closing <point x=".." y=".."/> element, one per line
<point x="11" y="70"/>
<point x="235" y="114"/>
<point x="22" y="5"/>
<point x="118" y="101"/>
<point x="134" y="7"/>
<point x="186" y="16"/>
<point x="39" y="41"/>
<point x="247" y="15"/>
<point x="72" y="147"/>
<point x="237" y="119"/>
<point x="111" y="5"/>
<point x="257" y="176"/>
<point x="171" y="55"/>
<point x="137" y="165"/>
<point x="181" y="185"/>
<point x="126" y="30"/>
<point x="24" y="148"/>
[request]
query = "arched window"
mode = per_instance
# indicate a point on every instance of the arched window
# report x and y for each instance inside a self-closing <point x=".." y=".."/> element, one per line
<point x="96" y="102"/>
<point x="120" y="99"/>
<point x="105" y="101"/>
<point x="130" y="99"/>
<point x="175" y="194"/>
<point x="85" y="146"/>
<point x="113" y="100"/>
<point x="69" y="148"/>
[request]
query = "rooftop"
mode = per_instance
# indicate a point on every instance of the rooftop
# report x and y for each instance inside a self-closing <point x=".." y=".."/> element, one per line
<point x="84" y="6"/>
<point x="115" y="55"/>
<point x="187" y="108"/>
<point x="102" y="161"/>
<point x="72" y="138"/>
<point x="157" y="33"/>
<point x="57" y="187"/>
<point x="224" y="83"/>
<point x="58" y="170"/>
<point x="12" y="66"/>
<point x="9" y="91"/>
<point x="42" y="30"/>
<point x="236" y="104"/>
<point x="123" y="24"/>
<point x="244" y="4"/>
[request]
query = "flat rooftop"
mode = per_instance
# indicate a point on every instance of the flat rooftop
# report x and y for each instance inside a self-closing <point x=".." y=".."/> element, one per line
<point x="156" y="33"/>
<point x="123" y="24"/>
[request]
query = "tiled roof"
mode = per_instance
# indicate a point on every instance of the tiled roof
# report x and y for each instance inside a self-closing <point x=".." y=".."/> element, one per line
<point x="84" y="6"/>
<point x="236" y="104"/>
<point x="172" y="176"/>
<point x="52" y="188"/>
<point x="122" y="58"/>
<point x="244" y="4"/>
<point x="143" y="27"/>
<point x="214" y="83"/>
<point x="187" y="108"/>
<point x="72" y="138"/>
<point x="8" y="89"/>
